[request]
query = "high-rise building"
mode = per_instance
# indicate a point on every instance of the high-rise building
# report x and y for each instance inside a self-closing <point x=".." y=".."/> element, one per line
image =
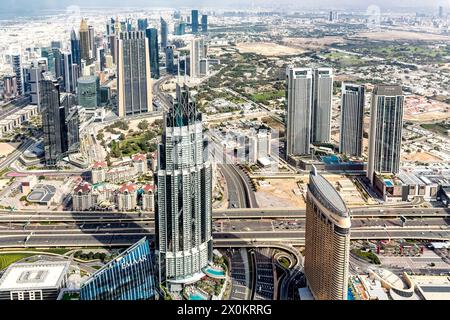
<point x="130" y="276"/>
<point x="89" y="92"/>
<point x="441" y="12"/>
<point x="84" y="41"/>
<point x="170" y="66"/>
<point x="17" y="69"/>
<point x="92" y="48"/>
<point x="386" y="126"/>
<point x="36" y="70"/>
<point x="134" y="84"/>
<point x="142" y="24"/>
<point x="352" y="120"/>
<point x="299" y="108"/>
<point x="327" y="240"/>
<point x="183" y="197"/>
<point x="196" y="49"/>
<point x="321" y="111"/>
<point x="47" y="53"/>
<point x="179" y="28"/>
<point x="152" y="38"/>
<point x="194" y="21"/>
<point x="164" y="34"/>
<point x="75" y="48"/>
<point x="204" y="23"/>
<point x="53" y="120"/>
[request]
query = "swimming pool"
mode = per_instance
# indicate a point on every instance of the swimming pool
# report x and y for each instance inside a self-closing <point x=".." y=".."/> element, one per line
<point x="214" y="272"/>
<point x="197" y="296"/>
<point x="350" y="295"/>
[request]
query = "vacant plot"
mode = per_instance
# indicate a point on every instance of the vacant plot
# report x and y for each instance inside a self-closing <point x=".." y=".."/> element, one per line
<point x="7" y="148"/>
<point x="420" y="156"/>
<point x="312" y="43"/>
<point x="392" y="35"/>
<point x="268" y="49"/>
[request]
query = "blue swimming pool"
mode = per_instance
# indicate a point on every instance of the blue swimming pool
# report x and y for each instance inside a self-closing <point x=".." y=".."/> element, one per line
<point x="215" y="272"/>
<point x="197" y="296"/>
<point x="350" y="295"/>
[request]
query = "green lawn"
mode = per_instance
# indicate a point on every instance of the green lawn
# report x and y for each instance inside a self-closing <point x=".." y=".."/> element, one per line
<point x="265" y="96"/>
<point x="6" y="259"/>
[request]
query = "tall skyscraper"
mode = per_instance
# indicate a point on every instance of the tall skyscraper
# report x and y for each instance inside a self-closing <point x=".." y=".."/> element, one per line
<point x="36" y="70"/>
<point x="17" y="69"/>
<point x="321" y="111"/>
<point x="204" y="23"/>
<point x="184" y="190"/>
<point x="92" y="48"/>
<point x="47" y="53"/>
<point x="134" y="84"/>
<point x="53" y="120"/>
<point x="170" y="66"/>
<point x="196" y="50"/>
<point x="164" y="34"/>
<point x="75" y="48"/>
<point x="179" y="28"/>
<point x="84" y="41"/>
<point x="89" y="92"/>
<point x="130" y="276"/>
<point x="386" y="126"/>
<point x="299" y="106"/>
<point x="441" y="12"/>
<point x="152" y="38"/>
<point x="194" y="21"/>
<point x="327" y="240"/>
<point x="352" y="120"/>
<point x="142" y="24"/>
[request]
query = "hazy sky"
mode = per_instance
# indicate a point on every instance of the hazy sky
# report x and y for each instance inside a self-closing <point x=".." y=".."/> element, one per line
<point x="18" y="6"/>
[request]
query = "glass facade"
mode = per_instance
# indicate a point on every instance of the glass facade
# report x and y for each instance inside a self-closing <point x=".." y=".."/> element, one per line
<point x="130" y="276"/>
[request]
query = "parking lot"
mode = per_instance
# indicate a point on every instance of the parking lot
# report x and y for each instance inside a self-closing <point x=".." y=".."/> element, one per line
<point x="264" y="287"/>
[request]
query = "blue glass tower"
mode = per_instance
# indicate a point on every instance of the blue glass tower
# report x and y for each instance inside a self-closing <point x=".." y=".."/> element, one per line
<point x="194" y="21"/>
<point x="130" y="276"/>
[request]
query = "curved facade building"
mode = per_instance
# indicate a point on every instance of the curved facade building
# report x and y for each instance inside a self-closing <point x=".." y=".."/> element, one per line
<point x="183" y="196"/>
<point x="327" y="238"/>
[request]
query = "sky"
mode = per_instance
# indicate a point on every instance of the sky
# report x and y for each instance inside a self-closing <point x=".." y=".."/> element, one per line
<point x="23" y="6"/>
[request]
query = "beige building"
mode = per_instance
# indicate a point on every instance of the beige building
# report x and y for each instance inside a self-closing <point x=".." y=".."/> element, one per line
<point x="148" y="197"/>
<point x="140" y="163"/>
<point x="127" y="197"/>
<point x="327" y="238"/>
<point x="82" y="197"/>
<point x="98" y="172"/>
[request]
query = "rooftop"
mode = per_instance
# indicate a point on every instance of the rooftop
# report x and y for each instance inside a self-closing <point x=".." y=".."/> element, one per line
<point x="41" y="274"/>
<point x="325" y="191"/>
<point x="388" y="90"/>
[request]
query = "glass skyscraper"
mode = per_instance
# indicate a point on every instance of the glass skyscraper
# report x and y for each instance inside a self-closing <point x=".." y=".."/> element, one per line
<point x="183" y="198"/>
<point x="130" y="276"/>
<point x="352" y="120"/>
<point x="194" y="21"/>
<point x="152" y="38"/>
<point x="89" y="92"/>
<point x="164" y="34"/>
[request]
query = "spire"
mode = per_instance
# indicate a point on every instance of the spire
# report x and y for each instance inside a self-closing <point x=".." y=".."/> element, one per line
<point x="84" y="25"/>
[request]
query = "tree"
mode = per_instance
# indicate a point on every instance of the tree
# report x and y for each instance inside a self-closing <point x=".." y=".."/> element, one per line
<point x="100" y="136"/>
<point x="122" y="137"/>
<point x="143" y="125"/>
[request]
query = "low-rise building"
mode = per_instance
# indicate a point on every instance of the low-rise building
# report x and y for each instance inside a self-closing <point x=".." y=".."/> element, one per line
<point x="98" y="172"/>
<point x="147" y="192"/>
<point x="82" y="198"/>
<point x="41" y="280"/>
<point x="127" y="197"/>
<point x="140" y="163"/>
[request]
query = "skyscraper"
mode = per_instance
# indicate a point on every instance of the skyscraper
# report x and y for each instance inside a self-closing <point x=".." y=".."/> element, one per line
<point x="194" y="21"/>
<point x="164" y="34"/>
<point x="327" y="240"/>
<point x="152" y="38"/>
<point x="204" y="23"/>
<point x="53" y="120"/>
<point x="170" y="67"/>
<point x="196" y="50"/>
<point x="299" y="106"/>
<point x="441" y="12"/>
<point x="142" y="24"/>
<point x="36" y="70"/>
<point x="89" y="92"/>
<point x="386" y="126"/>
<point x="17" y="69"/>
<point x="75" y="48"/>
<point x="84" y="41"/>
<point x="352" y="120"/>
<point x="133" y="74"/>
<point x="321" y="111"/>
<point x="92" y="48"/>
<point x="130" y="276"/>
<point x="184" y="190"/>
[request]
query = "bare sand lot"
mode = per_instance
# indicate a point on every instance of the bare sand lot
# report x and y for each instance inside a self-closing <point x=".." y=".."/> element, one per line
<point x="280" y="194"/>
<point x="392" y="35"/>
<point x="7" y="148"/>
<point x="267" y="49"/>
<point x="420" y="156"/>
<point x="424" y="110"/>
<point x="311" y="43"/>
